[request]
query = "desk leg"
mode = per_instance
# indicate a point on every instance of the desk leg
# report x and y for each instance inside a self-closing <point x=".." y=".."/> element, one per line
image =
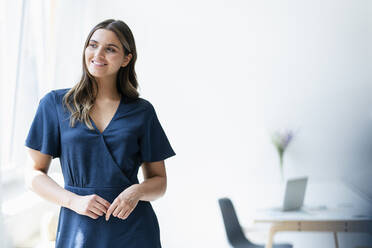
<point x="277" y="228"/>
<point x="336" y="240"/>
<point x="273" y="229"/>
<point x="270" y="240"/>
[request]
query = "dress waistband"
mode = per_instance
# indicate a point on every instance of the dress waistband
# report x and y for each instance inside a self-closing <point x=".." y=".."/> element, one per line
<point x="96" y="187"/>
<point x="108" y="193"/>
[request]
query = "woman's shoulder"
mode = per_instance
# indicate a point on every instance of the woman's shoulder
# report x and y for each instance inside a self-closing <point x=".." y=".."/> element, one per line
<point x="51" y="96"/>
<point x="60" y="92"/>
<point x="137" y="105"/>
<point x="145" y="104"/>
<point x="56" y="93"/>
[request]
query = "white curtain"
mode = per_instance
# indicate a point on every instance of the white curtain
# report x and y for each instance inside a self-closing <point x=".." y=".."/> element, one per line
<point x="26" y="71"/>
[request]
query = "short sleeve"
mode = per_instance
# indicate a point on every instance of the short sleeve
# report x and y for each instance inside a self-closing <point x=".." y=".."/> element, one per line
<point x="44" y="134"/>
<point x="154" y="143"/>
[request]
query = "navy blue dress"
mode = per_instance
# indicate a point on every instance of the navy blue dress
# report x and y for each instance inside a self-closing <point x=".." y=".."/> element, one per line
<point x="104" y="164"/>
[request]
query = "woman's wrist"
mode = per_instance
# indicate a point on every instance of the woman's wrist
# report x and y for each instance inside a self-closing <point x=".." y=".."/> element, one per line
<point x="138" y="191"/>
<point x="70" y="199"/>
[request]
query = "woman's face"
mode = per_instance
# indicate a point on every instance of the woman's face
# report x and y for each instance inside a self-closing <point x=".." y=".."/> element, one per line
<point x="104" y="54"/>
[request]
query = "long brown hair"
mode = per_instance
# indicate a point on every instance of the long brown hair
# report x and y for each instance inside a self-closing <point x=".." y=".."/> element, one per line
<point x="80" y="98"/>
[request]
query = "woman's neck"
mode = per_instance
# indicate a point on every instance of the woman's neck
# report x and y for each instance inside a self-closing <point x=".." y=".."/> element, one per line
<point x="107" y="90"/>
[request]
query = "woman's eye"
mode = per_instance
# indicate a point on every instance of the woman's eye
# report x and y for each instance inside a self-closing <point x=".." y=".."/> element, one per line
<point x="92" y="45"/>
<point x="110" y="49"/>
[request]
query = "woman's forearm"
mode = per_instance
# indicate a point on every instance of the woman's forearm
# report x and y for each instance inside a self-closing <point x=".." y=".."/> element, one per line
<point x="40" y="183"/>
<point x="152" y="188"/>
<point x="47" y="188"/>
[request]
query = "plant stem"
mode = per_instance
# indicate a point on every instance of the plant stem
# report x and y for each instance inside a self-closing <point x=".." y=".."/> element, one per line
<point x="281" y="166"/>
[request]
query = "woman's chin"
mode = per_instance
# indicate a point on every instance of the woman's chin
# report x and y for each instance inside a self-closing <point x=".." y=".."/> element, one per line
<point x="98" y="74"/>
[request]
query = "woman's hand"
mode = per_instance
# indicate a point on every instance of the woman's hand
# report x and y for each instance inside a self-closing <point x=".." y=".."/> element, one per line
<point x="124" y="204"/>
<point x="92" y="206"/>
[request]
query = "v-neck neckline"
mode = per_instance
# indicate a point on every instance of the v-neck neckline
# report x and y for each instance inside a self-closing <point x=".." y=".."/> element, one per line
<point x="112" y="119"/>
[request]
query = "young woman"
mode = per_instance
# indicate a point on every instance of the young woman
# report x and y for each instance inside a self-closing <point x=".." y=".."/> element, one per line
<point x="102" y="132"/>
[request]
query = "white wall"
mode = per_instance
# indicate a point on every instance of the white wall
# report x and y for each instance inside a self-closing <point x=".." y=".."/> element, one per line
<point x="223" y="73"/>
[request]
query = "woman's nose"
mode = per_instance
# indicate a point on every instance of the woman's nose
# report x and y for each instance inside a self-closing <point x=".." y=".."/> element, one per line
<point x="99" y="52"/>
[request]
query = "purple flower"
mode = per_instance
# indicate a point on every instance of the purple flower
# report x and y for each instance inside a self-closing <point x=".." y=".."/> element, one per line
<point x="281" y="140"/>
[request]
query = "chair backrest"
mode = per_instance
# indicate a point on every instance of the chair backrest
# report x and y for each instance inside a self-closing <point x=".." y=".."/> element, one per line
<point x="233" y="229"/>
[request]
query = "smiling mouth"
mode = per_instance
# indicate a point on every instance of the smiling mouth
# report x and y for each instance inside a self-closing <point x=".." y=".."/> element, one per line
<point x="98" y="63"/>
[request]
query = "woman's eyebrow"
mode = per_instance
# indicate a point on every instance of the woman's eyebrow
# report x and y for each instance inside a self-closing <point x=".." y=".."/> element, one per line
<point x="110" y="44"/>
<point x="113" y="45"/>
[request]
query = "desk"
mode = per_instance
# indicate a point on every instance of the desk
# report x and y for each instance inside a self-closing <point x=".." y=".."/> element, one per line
<point x="347" y="212"/>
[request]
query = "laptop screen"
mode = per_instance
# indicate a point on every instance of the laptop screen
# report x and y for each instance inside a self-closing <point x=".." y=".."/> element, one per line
<point x="294" y="194"/>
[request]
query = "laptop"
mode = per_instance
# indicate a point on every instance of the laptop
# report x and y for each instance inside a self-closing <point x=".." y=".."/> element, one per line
<point x="294" y="194"/>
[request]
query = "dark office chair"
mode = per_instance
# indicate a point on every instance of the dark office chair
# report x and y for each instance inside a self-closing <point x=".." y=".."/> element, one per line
<point x="233" y="229"/>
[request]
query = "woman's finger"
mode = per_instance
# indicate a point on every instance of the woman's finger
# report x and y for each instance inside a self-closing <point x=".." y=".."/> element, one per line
<point x="100" y="207"/>
<point x="121" y="213"/>
<point x="92" y="215"/>
<point x="127" y="213"/>
<point x="111" y="209"/>
<point x="117" y="211"/>
<point x="96" y="211"/>
<point x="105" y="203"/>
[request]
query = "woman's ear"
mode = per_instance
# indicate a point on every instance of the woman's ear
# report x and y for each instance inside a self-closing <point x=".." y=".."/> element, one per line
<point x="127" y="60"/>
